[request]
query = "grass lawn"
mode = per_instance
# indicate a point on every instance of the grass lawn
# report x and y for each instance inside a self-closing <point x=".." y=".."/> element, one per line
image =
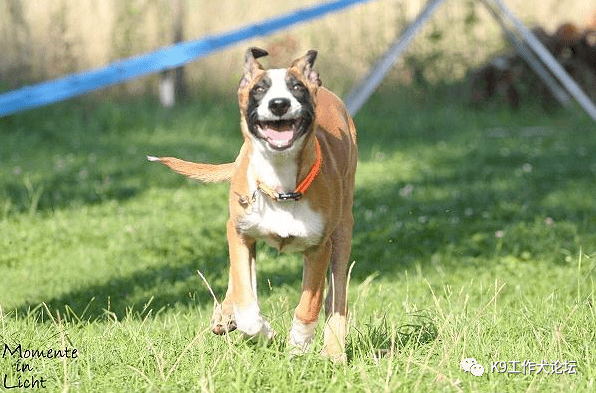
<point x="475" y="236"/>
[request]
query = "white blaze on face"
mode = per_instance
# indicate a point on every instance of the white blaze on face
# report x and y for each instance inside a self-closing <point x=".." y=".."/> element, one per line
<point x="278" y="89"/>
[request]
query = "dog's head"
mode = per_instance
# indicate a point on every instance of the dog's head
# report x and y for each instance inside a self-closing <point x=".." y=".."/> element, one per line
<point x="278" y="105"/>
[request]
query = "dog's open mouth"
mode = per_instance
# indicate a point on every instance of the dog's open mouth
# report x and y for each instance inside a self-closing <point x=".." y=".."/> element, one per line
<point x="279" y="134"/>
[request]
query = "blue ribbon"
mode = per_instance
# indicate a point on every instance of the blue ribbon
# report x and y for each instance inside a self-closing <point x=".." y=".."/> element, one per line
<point x="163" y="59"/>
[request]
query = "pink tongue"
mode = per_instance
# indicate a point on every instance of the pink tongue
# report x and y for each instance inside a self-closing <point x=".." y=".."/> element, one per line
<point x="278" y="135"/>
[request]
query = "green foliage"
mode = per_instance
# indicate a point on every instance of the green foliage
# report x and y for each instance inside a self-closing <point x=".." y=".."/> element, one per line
<point x="474" y="237"/>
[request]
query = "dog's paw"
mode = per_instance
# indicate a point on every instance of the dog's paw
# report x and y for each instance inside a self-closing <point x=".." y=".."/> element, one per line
<point x="250" y="322"/>
<point x="222" y="322"/>
<point x="258" y="329"/>
<point x="334" y="339"/>
<point x="301" y="336"/>
<point x="336" y="355"/>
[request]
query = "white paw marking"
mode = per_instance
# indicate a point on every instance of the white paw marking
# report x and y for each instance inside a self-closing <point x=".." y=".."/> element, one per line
<point x="250" y="322"/>
<point x="301" y="336"/>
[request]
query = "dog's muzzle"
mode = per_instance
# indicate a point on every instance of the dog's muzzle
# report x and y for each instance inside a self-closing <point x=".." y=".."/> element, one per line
<point x="280" y="134"/>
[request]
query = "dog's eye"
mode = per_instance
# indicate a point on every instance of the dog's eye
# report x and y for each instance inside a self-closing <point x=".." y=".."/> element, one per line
<point x="297" y="87"/>
<point x="259" y="90"/>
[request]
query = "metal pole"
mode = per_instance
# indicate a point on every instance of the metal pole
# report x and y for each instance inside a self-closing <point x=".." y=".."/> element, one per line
<point x="179" y="11"/>
<point x="548" y="59"/>
<point x="363" y="89"/>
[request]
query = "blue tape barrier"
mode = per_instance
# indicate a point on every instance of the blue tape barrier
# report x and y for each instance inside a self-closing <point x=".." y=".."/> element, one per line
<point x="169" y="57"/>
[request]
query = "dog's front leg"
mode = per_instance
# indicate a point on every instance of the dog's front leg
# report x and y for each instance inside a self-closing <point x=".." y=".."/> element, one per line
<point x="306" y="315"/>
<point x="243" y="286"/>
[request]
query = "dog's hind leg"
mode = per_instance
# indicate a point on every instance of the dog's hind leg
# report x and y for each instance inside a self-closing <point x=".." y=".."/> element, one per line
<point x="336" y="307"/>
<point x="306" y="316"/>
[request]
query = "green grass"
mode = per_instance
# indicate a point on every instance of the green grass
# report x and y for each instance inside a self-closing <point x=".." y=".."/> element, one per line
<point x="475" y="236"/>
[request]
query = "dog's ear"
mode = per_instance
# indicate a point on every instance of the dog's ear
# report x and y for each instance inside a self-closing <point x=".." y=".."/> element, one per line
<point x="305" y="65"/>
<point x="254" y="53"/>
<point x="251" y="64"/>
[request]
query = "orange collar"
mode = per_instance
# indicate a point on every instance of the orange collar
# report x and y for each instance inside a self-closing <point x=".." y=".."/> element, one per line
<point x="304" y="184"/>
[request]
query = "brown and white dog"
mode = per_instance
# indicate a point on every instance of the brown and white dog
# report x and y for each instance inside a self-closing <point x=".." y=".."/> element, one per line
<point x="292" y="185"/>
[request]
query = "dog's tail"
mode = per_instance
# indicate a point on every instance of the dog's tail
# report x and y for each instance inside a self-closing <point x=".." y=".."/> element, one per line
<point x="208" y="173"/>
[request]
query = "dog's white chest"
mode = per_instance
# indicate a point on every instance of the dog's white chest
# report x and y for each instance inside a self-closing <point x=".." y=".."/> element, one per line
<point x="289" y="226"/>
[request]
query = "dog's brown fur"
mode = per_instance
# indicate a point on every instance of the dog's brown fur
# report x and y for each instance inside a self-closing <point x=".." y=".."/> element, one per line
<point x="329" y="199"/>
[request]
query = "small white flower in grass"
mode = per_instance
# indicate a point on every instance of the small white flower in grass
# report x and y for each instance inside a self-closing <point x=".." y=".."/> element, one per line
<point x="406" y="191"/>
<point x="499" y="234"/>
<point x="527" y="168"/>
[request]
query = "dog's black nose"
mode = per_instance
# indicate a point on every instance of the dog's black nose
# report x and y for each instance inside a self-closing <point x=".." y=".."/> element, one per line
<point x="279" y="106"/>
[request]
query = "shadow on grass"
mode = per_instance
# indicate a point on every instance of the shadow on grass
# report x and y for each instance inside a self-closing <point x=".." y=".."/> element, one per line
<point x="160" y="287"/>
<point x="378" y="339"/>
<point x="466" y="187"/>
<point x="80" y="153"/>
<point x="442" y="186"/>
